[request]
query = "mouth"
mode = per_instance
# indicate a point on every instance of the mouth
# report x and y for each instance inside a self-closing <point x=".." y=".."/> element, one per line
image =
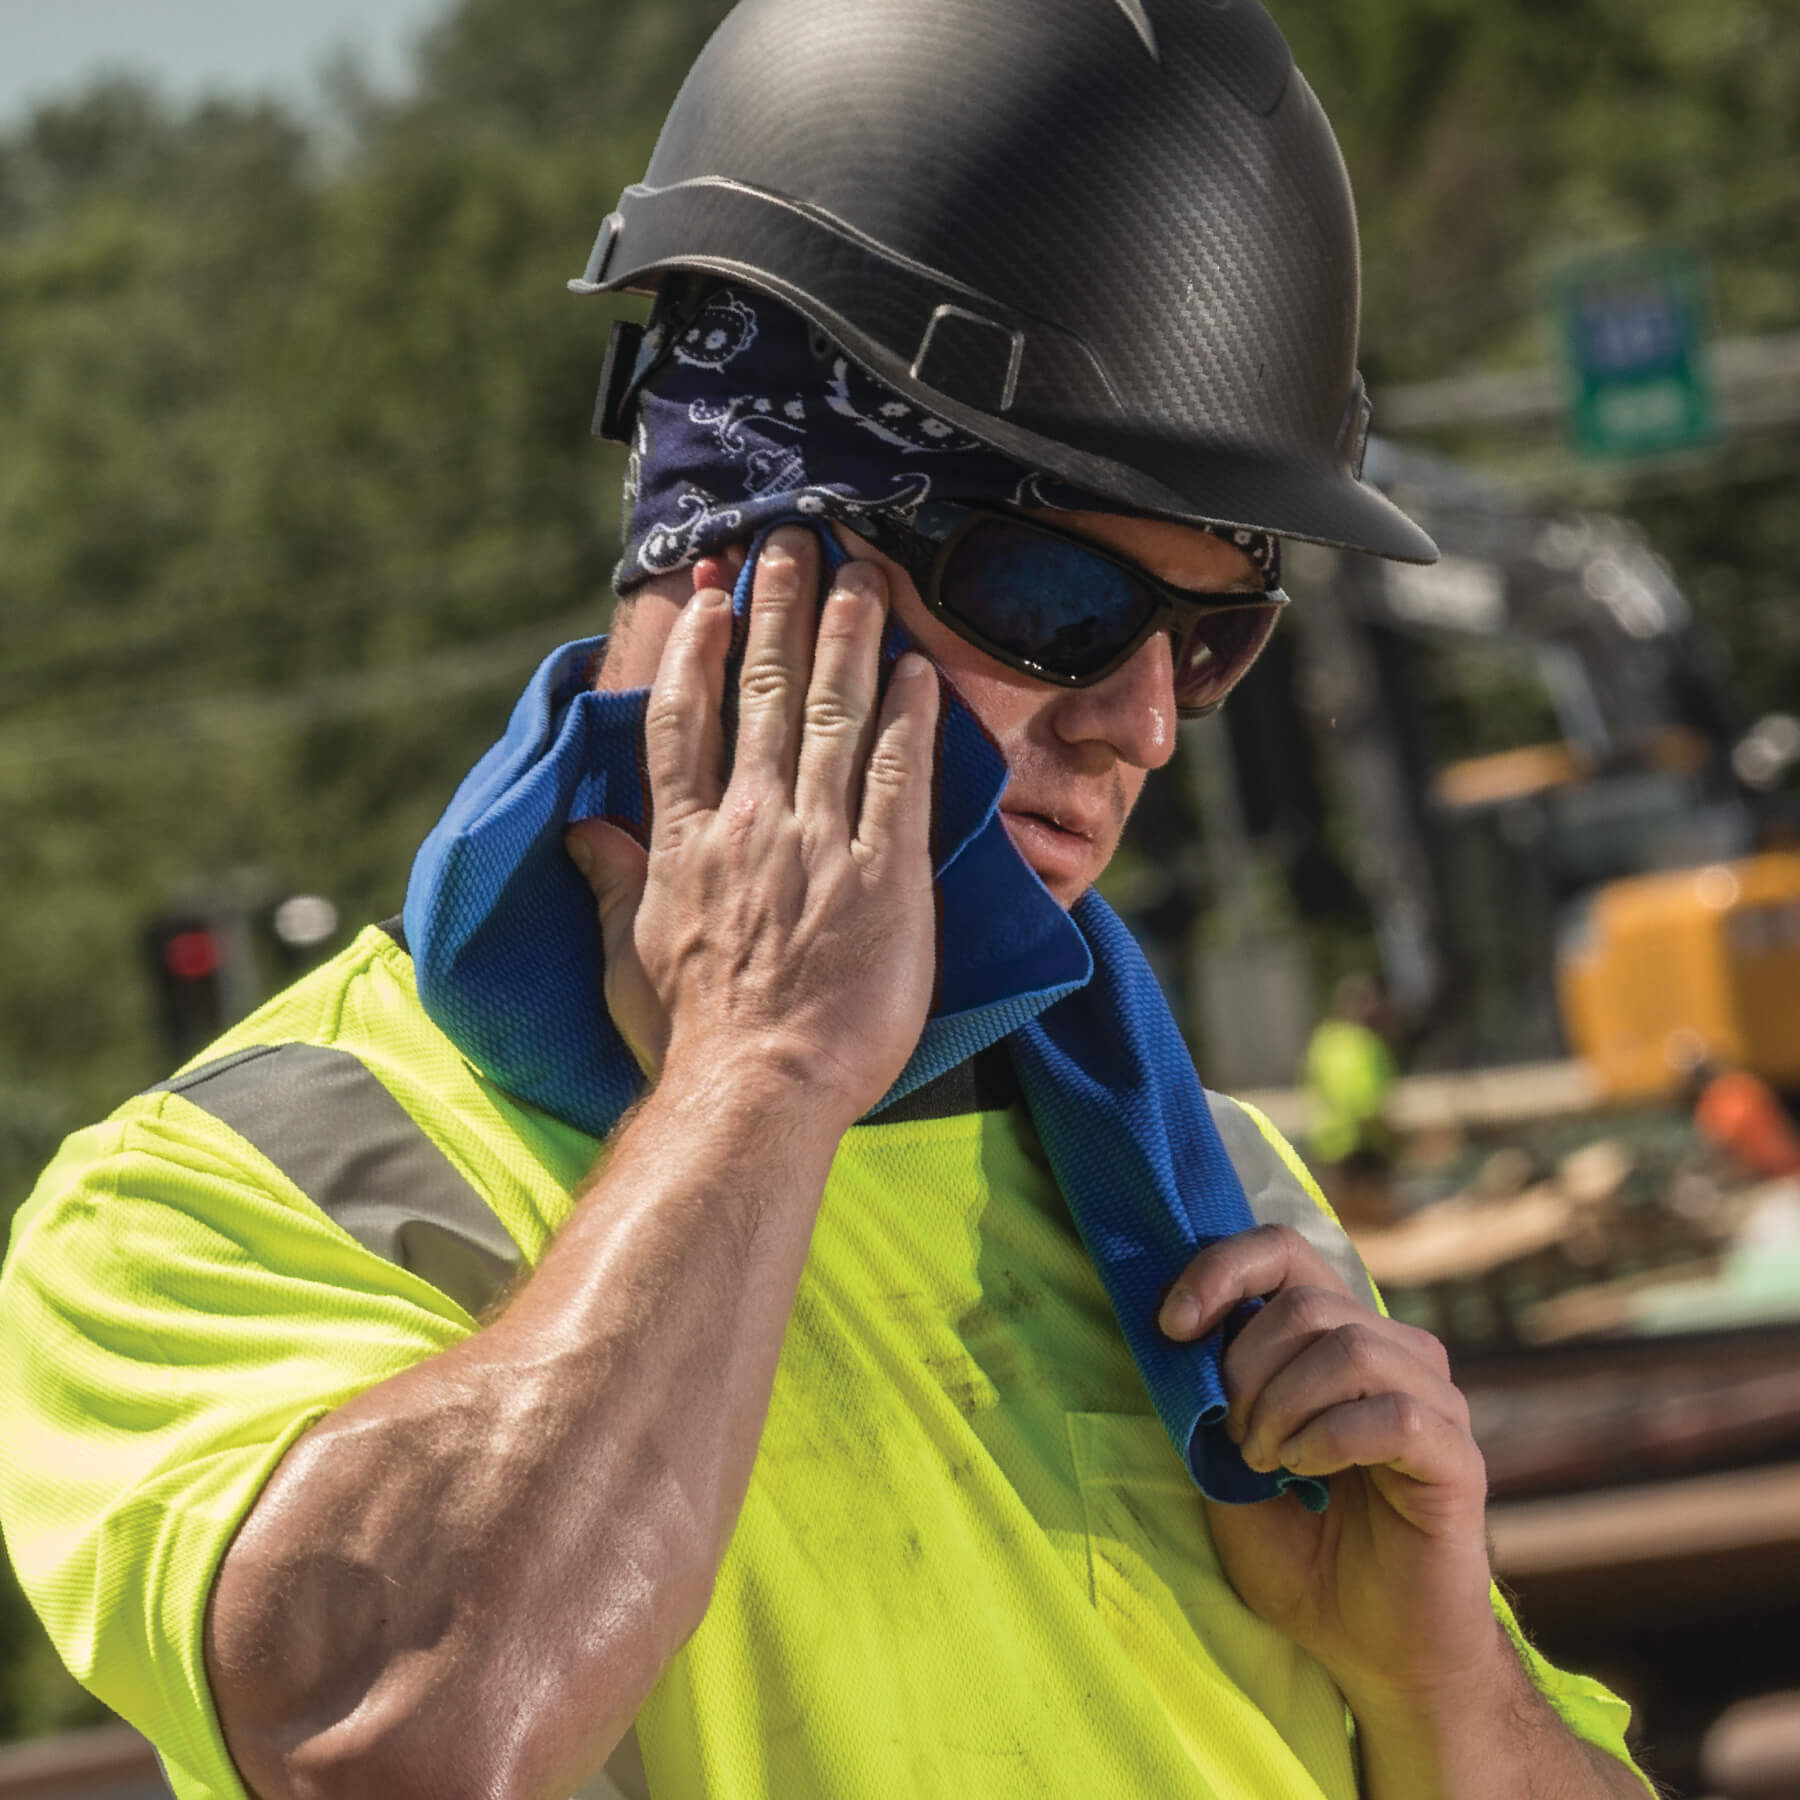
<point x="1059" y="848"/>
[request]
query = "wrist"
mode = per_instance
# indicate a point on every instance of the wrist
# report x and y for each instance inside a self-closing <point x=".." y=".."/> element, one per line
<point x="760" y="1095"/>
<point x="1447" y="1727"/>
<point x="1445" y="1689"/>
<point x="769" y="1078"/>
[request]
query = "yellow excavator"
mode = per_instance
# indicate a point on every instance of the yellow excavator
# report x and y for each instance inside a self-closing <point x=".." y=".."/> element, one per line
<point x="1524" y="766"/>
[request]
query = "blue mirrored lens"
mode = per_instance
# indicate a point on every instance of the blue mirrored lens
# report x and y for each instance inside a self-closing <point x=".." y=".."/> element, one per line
<point x="1046" y="602"/>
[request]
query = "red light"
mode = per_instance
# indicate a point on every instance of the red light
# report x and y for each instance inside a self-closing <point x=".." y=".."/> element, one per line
<point x="191" y="955"/>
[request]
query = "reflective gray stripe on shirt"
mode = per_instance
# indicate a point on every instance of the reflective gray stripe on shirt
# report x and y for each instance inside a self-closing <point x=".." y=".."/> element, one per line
<point x="1277" y="1197"/>
<point x="352" y="1149"/>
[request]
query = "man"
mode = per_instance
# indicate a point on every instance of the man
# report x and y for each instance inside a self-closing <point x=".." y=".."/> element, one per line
<point x="803" y="1439"/>
<point x="1349" y="1076"/>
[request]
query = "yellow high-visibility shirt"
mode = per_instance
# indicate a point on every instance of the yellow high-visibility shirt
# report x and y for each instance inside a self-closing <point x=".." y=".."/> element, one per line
<point x="969" y="1562"/>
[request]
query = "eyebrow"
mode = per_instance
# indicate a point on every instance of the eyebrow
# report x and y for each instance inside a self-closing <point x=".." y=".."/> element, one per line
<point x="1249" y="585"/>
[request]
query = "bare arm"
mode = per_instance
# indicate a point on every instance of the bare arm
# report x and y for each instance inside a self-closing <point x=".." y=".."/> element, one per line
<point x="1389" y="1588"/>
<point x="1492" y="1737"/>
<point x="467" y="1580"/>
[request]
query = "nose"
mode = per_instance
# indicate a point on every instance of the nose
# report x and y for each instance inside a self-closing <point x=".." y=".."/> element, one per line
<point x="1132" y="711"/>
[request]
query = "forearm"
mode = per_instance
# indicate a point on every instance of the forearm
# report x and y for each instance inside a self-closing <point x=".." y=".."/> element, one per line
<point x="1490" y="1738"/>
<point x="467" y="1579"/>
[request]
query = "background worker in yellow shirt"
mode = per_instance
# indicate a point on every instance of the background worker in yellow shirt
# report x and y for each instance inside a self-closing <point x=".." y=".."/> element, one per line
<point x="1350" y="1076"/>
<point x="399" y="1419"/>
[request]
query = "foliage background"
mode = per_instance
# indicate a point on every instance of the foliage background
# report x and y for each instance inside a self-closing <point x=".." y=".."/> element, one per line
<point x="295" y="481"/>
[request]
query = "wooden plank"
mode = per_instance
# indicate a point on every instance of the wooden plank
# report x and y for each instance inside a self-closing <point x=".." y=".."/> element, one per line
<point x="1472" y="1097"/>
<point x="1671" y="1521"/>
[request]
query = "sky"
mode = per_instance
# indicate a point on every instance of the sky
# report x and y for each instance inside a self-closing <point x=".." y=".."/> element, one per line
<point x="192" y="46"/>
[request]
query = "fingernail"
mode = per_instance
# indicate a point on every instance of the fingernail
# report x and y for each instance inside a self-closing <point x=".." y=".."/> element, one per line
<point x="776" y="555"/>
<point x="1288" y="1456"/>
<point x="910" y="667"/>
<point x="579" y="853"/>
<point x="1180" y="1315"/>
<point x="713" y="598"/>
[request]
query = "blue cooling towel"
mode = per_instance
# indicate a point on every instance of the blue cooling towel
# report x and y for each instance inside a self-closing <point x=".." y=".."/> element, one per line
<point x="502" y="932"/>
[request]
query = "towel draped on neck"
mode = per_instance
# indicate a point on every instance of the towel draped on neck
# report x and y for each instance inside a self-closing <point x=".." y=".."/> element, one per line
<point x="507" y="953"/>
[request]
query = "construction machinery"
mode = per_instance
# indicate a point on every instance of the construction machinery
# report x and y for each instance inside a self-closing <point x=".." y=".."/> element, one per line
<point x="1474" y="763"/>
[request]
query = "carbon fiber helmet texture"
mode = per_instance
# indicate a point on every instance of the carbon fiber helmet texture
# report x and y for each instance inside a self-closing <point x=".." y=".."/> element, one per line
<point x="1113" y="238"/>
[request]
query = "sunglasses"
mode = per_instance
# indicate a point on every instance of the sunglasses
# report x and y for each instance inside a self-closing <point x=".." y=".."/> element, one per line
<point x="1063" y="610"/>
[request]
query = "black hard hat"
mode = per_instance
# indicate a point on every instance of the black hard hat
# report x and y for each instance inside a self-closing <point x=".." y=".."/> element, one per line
<point x="1112" y="238"/>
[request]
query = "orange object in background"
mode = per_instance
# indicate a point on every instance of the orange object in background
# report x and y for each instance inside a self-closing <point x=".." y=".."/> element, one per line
<point x="1703" y="959"/>
<point x="1741" y="1114"/>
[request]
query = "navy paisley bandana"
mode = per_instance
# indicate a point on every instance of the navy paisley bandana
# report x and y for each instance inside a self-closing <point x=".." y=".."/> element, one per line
<point x="756" y="416"/>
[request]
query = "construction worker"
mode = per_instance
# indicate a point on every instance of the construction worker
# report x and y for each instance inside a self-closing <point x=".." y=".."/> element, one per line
<point x="1744" y="1120"/>
<point x="1350" y="1076"/>
<point x="772" y="1342"/>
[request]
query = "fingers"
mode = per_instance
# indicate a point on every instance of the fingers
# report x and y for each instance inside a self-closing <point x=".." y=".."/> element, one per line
<point x="1315" y="1374"/>
<point x="1283" y="1375"/>
<point x="615" y="866"/>
<point x="1301" y="1317"/>
<point x="721" y="569"/>
<point x="684" y="741"/>
<point x="1235" y="1269"/>
<point x="1393" y="1431"/>
<point x="778" y="656"/>
<point x="840" y="701"/>
<point x="894" y="830"/>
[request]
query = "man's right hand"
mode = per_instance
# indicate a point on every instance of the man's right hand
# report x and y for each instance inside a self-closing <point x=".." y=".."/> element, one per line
<point x="393" y="1617"/>
<point x="783" y="918"/>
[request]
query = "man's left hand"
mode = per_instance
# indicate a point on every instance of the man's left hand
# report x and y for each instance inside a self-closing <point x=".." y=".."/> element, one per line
<point x="1388" y="1587"/>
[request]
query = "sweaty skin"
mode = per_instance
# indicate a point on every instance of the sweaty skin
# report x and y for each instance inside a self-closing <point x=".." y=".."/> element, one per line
<point x="468" y="1579"/>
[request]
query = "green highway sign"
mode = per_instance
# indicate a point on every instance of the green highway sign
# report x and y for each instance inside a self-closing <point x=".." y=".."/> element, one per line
<point x="1635" y="344"/>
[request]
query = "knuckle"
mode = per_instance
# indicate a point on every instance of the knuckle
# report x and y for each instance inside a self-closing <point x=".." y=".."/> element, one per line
<point x="831" y="715"/>
<point x="1428" y="1347"/>
<point x="666" y="712"/>
<point x="888" y="768"/>
<point x="1408" y="1418"/>
<point x="676" y="823"/>
<point x="1311" y="1310"/>
<point x="1360" y="1347"/>
<point x="1281" y="1237"/>
<point x="765" y="679"/>
<point x="743" y="811"/>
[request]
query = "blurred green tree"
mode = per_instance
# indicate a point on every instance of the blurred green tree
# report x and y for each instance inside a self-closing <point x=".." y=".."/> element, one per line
<point x="296" y="486"/>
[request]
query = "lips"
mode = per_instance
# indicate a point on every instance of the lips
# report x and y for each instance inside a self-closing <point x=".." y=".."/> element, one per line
<point x="1063" y="823"/>
<point x="1059" y="848"/>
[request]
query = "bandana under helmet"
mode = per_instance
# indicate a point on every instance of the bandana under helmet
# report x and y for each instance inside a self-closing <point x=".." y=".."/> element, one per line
<point x="755" y="415"/>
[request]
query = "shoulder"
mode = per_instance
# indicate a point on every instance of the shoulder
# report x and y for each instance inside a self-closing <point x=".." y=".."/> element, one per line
<point x="335" y="1123"/>
<point x="1281" y="1189"/>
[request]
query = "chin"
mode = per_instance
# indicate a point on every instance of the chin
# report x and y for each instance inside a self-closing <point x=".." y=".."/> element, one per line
<point x="1065" y="888"/>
